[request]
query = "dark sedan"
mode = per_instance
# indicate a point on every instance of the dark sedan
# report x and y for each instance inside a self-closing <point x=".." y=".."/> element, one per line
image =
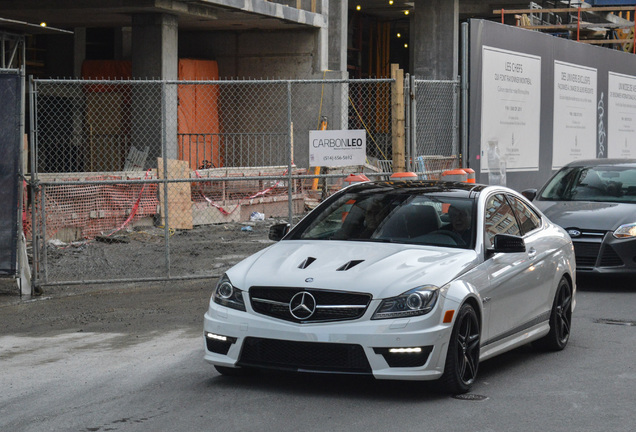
<point x="595" y="201"/>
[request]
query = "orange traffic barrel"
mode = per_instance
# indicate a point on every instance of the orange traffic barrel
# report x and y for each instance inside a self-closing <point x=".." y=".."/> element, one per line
<point x="356" y="178"/>
<point x="455" y="175"/>
<point x="471" y="175"/>
<point x="403" y="176"/>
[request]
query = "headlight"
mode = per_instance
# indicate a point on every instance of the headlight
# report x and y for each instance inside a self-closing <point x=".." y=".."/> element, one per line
<point x="418" y="301"/>
<point x="626" y="231"/>
<point x="228" y="295"/>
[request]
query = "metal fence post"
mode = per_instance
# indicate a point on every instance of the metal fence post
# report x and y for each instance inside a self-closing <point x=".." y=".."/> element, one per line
<point x="32" y="184"/>
<point x="44" y="251"/>
<point x="407" y="124"/>
<point x="464" y="97"/>
<point x="413" y="121"/>
<point x="164" y="157"/>
<point x="290" y="161"/>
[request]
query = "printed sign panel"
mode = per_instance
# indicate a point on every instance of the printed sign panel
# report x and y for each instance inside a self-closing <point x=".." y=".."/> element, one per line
<point x="510" y="111"/>
<point x="574" y="126"/>
<point x="332" y="148"/>
<point x="621" y="124"/>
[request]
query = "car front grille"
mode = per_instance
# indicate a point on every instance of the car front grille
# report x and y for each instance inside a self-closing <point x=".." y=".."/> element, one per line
<point x="329" y="305"/>
<point x="586" y="253"/>
<point x="304" y="356"/>
<point x="610" y="258"/>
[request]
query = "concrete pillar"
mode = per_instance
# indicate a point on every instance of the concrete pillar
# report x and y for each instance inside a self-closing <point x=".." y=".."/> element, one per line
<point x="155" y="56"/>
<point x="79" y="50"/>
<point x="337" y="36"/>
<point x="434" y="36"/>
<point x="123" y="43"/>
<point x="155" y="46"/>
<point x="337" y="101"/>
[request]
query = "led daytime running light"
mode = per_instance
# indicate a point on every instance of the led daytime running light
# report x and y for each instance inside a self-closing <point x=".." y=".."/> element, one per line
<point x="405" y="350"/>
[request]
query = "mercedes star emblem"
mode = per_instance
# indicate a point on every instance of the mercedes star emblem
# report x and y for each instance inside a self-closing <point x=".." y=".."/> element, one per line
<point x="302" y="305"/>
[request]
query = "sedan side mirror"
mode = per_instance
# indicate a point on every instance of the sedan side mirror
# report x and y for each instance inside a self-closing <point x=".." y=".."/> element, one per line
<point x="531" y="194"/>
<point x="504" y="243"/>
<point x="278" y="231"/>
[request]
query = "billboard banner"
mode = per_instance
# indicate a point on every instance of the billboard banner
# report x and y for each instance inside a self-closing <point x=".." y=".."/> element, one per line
<point x="537" y="102"/>
<point x="510" y="106"/>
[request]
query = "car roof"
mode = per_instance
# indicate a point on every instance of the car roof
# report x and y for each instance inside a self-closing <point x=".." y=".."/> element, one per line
<point x="460" y="189"/>
<point x="602" y="162"/>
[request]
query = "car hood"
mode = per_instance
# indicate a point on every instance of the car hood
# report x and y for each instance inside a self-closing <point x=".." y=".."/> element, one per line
<point x="385" y="270"/>
<point x="588" y="214"/>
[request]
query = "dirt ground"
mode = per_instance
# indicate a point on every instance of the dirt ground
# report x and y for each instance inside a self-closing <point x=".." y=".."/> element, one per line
<point x="144" y="253"/>
<point x="141" y="307"/>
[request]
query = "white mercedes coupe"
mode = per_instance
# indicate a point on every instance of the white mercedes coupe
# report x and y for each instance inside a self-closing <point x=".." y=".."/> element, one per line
<point x="402" y="280"/>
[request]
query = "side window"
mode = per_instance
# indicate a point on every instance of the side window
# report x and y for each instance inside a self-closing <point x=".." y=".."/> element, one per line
<point x="527" y="218"/>
<point x="499" y="219"/>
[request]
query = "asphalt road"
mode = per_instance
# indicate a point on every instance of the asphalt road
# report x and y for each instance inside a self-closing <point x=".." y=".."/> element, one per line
<point x="129" y="358"/>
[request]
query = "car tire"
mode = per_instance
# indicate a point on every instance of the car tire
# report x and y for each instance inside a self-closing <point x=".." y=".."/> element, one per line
<point x="462" y="359"/>
<point x="560" y="320"/>
<point x="229" y="371"/>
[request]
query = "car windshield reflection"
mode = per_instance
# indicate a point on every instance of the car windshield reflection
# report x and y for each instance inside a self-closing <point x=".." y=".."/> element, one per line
<point x="390" y="217"/>
<point x="601" y="183"/>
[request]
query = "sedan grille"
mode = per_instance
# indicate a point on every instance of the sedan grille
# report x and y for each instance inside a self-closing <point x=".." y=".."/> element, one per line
<point x="304" y="356"/>
<point x="610" y="258"/>
<point x="586" y="253"/>
<point x="326" y="305"/>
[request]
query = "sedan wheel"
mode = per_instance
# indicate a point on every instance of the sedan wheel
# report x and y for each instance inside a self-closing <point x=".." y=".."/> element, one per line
<point x="560" y="320"/>
<point x="462" y="359"/>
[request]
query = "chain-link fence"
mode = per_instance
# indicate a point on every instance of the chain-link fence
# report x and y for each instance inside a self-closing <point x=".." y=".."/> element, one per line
<point x="132" y="179"/>
<point x="434" y="126"/>
<point x="138" y="180"/>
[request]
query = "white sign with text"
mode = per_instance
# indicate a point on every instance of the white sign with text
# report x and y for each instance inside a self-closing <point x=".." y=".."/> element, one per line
<point x="574" y="130"/>
<point x="333" y="148"/>
<point x="621" y="125"/>
<point x="510" y="110"/>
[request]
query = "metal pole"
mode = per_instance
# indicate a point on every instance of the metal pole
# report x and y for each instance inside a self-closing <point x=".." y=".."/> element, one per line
<point x="21" y="264"/>
<point x="290" y="138"/>
<point x="413" y="114"/>
<point x="44" y="251"/>
<point x="33" y="158"/>
<point x="164" y="156"/>
<point x="464" y="97"/>
<point x="407" y="123"/>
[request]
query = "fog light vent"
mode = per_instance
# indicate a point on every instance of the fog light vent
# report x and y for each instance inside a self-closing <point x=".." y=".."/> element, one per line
<point x="405" y="356"/>
<point x="218" y="344"/>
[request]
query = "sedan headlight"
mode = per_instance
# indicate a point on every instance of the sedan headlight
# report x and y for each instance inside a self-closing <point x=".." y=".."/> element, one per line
<point x="228" y="295"/>
<point x="418" y="301"/>
<point x="626" y="231"/>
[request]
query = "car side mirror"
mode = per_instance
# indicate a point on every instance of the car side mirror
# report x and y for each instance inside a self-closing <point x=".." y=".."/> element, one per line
<point x="278" y="231"/>
<point x="531" y="194"/>
<point x="504" y="243"/>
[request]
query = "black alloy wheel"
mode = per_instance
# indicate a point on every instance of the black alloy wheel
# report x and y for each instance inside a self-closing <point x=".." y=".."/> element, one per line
<point x="462" y="359"/>
<point x="560" y="320"/>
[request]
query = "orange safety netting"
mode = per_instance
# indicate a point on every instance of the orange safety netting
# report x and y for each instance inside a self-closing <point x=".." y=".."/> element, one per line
<point x="94" y="210"/>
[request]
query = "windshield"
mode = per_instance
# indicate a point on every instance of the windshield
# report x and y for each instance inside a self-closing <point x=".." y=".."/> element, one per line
<point x="395" y="217"/>
<point x="601" y="183"/>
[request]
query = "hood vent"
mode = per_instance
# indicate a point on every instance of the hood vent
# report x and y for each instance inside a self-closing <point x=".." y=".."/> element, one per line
<point x="306" y="263"/>
<point x="349" y="265"/>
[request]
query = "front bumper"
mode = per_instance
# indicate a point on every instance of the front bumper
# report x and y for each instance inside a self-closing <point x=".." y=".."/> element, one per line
<point x="605" y="255"/>
<point x="233" y="339"/>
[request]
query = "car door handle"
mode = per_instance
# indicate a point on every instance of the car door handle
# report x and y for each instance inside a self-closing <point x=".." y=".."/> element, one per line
<point x="532" y="253"/>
